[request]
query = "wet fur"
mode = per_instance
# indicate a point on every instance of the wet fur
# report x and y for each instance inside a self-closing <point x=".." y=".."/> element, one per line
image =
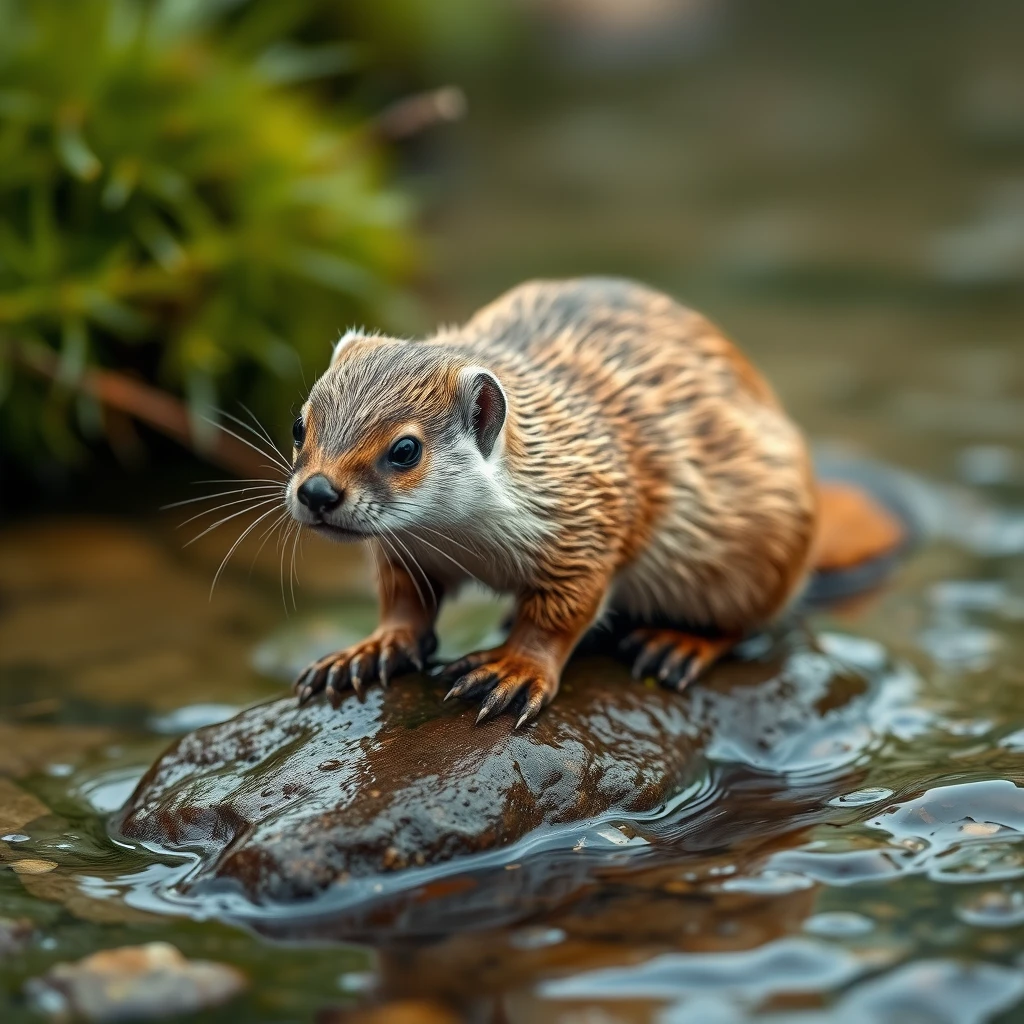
<point x="643" y="466"/>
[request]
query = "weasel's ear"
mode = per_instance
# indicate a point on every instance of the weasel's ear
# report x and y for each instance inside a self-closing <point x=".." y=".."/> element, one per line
<point x="483" y="406"/>
<point x="343" y="342"/>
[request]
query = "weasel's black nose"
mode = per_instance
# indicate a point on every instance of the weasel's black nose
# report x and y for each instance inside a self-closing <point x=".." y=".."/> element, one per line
<point x="318" y="495"/>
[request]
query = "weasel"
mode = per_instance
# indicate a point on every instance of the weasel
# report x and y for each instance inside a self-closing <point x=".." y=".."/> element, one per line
<point x="588" y="446"/>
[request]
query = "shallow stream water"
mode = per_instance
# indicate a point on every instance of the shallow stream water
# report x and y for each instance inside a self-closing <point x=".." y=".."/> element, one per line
<point x="872" y="872"/>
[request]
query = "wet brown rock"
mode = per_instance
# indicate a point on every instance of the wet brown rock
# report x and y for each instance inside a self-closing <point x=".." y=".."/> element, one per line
<point x="133" y="983"/>
<point x="286" y="802"/>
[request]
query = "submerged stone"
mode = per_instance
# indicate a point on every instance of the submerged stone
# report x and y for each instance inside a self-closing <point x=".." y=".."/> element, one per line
<point x="133" y="983"/>
<point x="286" y="802"/>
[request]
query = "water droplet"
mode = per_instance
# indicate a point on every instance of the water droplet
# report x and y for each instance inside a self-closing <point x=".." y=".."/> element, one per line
<point x="356" y="981"/>
<point x="1014" y="742"/>
<point x="861" y="797"/>
<point x="993" y="909"/>
<point x="14" y="837"/>
<point x="536" y="938"/>
<point x="838" y="924"/>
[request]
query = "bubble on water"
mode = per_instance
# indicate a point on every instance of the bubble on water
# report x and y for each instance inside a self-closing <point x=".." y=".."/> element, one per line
<point x="995" y="908"/>
<point x="966" y="727"/>
<point x="958" y="646"/>
<point x="536" y="938"/>
<point x="769" y="882"/>
<point x="356" y="982"/>
<point x="968" y="595"/>
<point x="838" y="924"/>
<point x="973" y="862"/>
<point x="861" y="797"/>
<point x="866" y="654"/>
<point x="1014" y="742"/>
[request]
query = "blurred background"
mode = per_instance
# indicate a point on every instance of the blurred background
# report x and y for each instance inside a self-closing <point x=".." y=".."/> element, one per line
<point x="198" y="196"/>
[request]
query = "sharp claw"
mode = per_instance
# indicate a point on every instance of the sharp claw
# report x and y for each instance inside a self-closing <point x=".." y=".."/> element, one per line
<point x="332" y="675"/>
<point x="457" y="690"/>
<point x="531" y="712"/>
<point x="485" y="713"/>
<point x="693" y="668"/>
<point x="646" y="661"/>
<point x="304" y="694"/>
<point x="384" y="665"/>
<point x="417" y="661"/>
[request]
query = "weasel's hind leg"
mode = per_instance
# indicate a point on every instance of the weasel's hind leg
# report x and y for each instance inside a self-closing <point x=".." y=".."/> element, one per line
<point x="671" y="656"/>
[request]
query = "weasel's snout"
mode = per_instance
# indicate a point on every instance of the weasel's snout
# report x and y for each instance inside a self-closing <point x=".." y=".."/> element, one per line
<point x="318" y="494"/>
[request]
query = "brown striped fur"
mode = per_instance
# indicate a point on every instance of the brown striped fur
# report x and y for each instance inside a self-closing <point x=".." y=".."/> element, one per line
<point x="643" y="466"/>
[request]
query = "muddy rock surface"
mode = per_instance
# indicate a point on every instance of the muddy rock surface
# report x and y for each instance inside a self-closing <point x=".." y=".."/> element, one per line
<point x="286" y="802"/>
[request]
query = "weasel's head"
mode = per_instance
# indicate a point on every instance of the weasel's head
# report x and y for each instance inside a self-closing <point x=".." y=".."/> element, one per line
<point x="395" y="435"/>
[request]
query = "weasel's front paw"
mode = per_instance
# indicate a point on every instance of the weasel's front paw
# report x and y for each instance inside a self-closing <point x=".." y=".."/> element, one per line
<point x="383" y="655"/>
<point x="499" y="676"/>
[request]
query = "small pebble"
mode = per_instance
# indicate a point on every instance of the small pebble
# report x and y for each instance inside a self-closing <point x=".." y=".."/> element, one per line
<point x="133" y="983"/>
<point x="33" y="867"/>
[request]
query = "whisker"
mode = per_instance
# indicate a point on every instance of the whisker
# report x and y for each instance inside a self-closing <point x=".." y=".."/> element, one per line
<point x="406" y="567"/>
<point x="263" y="430"/>
<point x="412" y="558"/>
<point x="265" y="536"/>
<point x="221" y="494"/>
<point x="274" y="453"/>
<point x="223" y="505"/>
<point x="234" y="515"/>
<point x="293" y="572"/>
<point x="239" y="480"/>
<point x="445" y="536"/>
<point x="389" y="593"/>
<point x="279" y="464"/>
<point x="423" y="540"/>
<point x="282" y="542"/>
<point x="245" y="533"/>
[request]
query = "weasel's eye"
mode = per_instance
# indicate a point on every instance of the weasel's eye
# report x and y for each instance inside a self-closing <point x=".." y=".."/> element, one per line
<point x="299" y="432"/>
<point x="405" y="453"/>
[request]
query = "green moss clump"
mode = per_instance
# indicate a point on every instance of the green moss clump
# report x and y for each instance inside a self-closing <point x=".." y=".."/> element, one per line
<point x="173" y="206"/>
